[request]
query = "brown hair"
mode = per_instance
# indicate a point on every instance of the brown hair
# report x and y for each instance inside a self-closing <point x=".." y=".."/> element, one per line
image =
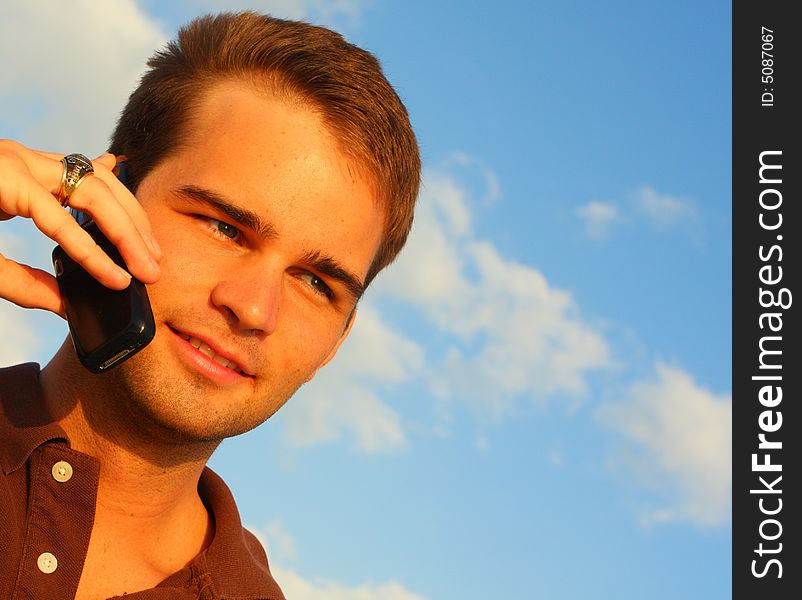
<point x="296" y="60"/>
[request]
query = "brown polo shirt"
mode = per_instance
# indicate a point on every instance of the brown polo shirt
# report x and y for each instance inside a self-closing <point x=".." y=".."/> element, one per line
<point x="47" y="507"/>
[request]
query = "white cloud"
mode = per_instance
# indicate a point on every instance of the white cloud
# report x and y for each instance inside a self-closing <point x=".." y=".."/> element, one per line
<point x="510" y="333"/>
<point x="598" y="217"/>
<point x="450" y="207"/>
<point x="663" y="210"/>
<point x="73" y="67"/>
<point x="327" y="12"/>
<point x="474" y="165"/>
<point x="338" y="406"/>
<point x="344" y="396"/>
<point x="281" y="548"/>
<point x="277" y="541"/>
<point x="482" y="444"/>
<point x="646" y="206"/>
<point x="429" y="271"/>
<point x="555" y="458"/>
<point x="681" y="445"/>
<point x="298" y="588"/>
<point x="20" y="340"/>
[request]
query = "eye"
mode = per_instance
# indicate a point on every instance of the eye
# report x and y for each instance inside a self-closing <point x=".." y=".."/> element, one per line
<point x="317" y="284"/>
<point x="224" y="229"/>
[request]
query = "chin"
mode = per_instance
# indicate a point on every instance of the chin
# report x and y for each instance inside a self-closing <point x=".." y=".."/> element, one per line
<point x="187" y="410"/>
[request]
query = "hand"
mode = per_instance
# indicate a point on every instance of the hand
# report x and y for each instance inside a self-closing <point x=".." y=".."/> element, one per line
<point x="28" y="182"/>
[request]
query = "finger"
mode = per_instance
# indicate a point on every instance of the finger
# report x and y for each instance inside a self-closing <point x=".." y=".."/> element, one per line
<point x="58" y="225"/>
<point x="95" y="197"/>
<point x="28" y="287"/>
<point x="45" y="167"/>
<point x="18" y="164"/>
<point x="107" y="159"/>
<point x="132" y="206"/>
<point x="50" y="155"/>
<point x="19" y="186"/>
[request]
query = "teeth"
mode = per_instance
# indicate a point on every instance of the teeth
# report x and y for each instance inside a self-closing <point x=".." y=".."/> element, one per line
<point x="204" y="349"/>
<point x="221" y="361"/>
<point x="211" y="353"/>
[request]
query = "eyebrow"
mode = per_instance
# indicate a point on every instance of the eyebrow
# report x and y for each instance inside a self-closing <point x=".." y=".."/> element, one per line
<point x="326" y="265"/>
<point x="242" y="216"/>
<point x="334" y="270"/>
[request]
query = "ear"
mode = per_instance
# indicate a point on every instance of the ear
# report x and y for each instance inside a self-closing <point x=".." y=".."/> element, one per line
<point x="346" y="331"/>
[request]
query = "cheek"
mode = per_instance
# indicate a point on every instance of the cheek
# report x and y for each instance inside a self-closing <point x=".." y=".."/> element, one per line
<point x="186" y="273"/>
<point x="300" y="341"/>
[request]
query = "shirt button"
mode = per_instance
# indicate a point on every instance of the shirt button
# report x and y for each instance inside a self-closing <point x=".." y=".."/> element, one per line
<point x="46" y="562"/>
<point x="62" y="471"/>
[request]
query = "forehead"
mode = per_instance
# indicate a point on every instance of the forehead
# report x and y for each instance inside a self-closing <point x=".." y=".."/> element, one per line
<point x="257" y="125"/>
<point x="276" y="157"/>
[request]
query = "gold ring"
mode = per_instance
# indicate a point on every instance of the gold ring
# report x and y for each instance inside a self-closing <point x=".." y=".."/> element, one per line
<point x="76" y="167"/>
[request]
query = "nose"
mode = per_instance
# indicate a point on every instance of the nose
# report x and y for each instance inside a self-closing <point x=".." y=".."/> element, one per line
<point x="251" y="298"/>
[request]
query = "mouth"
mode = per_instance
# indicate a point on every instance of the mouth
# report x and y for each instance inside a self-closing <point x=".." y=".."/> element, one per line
<point x="206" y="350"/>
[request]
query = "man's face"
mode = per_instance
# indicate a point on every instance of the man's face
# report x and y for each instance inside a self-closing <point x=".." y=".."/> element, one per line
<point x="267" y="232"/>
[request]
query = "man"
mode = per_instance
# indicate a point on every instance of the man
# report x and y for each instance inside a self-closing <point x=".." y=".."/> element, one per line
<point x="275" y="175"/>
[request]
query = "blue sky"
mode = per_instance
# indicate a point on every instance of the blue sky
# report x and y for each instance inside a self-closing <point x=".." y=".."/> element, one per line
<point x="535" y="402"/>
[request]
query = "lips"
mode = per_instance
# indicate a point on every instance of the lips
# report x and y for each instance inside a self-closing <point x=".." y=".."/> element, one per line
<point x="206" y="349"/>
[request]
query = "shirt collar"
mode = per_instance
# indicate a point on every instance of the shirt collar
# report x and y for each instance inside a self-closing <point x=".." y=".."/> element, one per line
<point x="235" y="558"/>
<point x="25" y="423"/>
<point x="233" y="566"/>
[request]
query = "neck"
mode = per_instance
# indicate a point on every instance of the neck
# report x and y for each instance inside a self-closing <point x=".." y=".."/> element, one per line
<point x="146" y="478"/>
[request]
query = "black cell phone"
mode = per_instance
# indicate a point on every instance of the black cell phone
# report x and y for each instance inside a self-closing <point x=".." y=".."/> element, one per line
<point x="107" y="326"/>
